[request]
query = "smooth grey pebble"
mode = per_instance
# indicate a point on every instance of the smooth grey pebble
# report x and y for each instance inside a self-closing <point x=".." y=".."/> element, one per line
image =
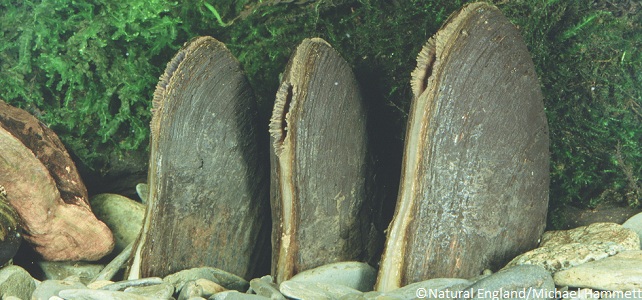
<point x="158" y="291"/>
<point x="142" y="189"/>
<point x="122" y="215"/>
<point x="357" y="275"/>
<point x="266" y="287"/>
<point x="122" y="285"/>
<point x="434" y="285"/>
<point x="49" y="288"/>
<point x="58" y="270"/>
<point x="373" y="295"/>
<point x="517" y="278"/>
<point x="190" y="290"/>
<point x="236" y="295"/>
<point x="225" y="279"/>
<point x="85" y="294"/>
<point x="15" y="281"/>
<point x="315" y="290"/>
<point x="209" y="287"/>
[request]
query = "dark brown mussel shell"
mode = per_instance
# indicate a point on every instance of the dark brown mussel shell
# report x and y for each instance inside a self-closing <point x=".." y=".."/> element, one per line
<point x="10" y="237"/>
<point x="208" y="181"/>
<point x="319" y="150"/>
<point x="475" y="181"/>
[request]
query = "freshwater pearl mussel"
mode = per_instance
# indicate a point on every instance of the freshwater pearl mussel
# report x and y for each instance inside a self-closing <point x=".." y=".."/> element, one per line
<point x="474" y="187"/>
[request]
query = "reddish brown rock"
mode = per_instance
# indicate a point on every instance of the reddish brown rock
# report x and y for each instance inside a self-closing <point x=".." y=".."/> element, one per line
<point x="46" y="191"/>
<point x="44" y="143"/>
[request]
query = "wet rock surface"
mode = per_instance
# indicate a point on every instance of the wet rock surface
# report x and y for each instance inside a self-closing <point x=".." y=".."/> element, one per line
<point x="356" y="275"/>
<point x="15" y="281"/>
<point x="513" y="280"/>
<point x="50" y="198"/>
<point x="60" y="270"/>
<point x="562" y="249"/>
<point x="621" y="272"/>
<point x="634" y="223"/>
<point x="122" y="215"/>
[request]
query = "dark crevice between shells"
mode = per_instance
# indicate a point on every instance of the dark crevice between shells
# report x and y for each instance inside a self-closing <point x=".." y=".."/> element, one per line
<point x="279" y="121"/>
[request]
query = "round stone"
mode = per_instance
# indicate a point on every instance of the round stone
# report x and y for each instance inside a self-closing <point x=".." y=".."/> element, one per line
<point x="122" y="215"/>
<point x="15" y="281"/>
<point x="621" y="272"/>
<point x="316" y="290"/>
<point x="519" y="282"/>
<point x="357" y="275"/>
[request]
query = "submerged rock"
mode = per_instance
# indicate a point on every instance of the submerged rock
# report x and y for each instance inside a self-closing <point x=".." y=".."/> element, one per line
<point x="562" y="249"/>
<point x="356" y="275"/>
<point x="596" y="233"/>
<point x="519" y="282"/>
<point x="15" y="281"/>
<point x="621" y="272"/>
<point x="122" y="215"/>
<point x="265" y="286"/>
<point x="225" y="279"/>
<point x="635" y="223"/>
<point x="316" y="290"/>
<point x="50" y="198"/>
<point x="58" y="270"/>
<point x="436" y="288"/>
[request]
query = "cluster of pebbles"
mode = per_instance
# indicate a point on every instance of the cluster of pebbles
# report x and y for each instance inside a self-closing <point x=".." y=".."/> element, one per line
<point x="579" y="263"/>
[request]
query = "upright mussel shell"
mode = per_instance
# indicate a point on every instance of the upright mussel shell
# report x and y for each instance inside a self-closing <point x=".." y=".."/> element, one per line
<point x="474" y="187"/>
<point x="319" y="148"/>
<point x="208" y="183"/>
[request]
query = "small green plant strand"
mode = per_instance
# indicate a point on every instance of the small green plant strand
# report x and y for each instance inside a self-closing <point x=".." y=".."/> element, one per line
<point x="216" y="15"/>
<point x="573" y="31"/>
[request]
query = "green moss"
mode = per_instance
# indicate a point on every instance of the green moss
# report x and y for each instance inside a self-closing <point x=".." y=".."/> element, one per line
<point x="67" y="62"/>
<point x="587" y="57"/>
<point x="86" y="68"/>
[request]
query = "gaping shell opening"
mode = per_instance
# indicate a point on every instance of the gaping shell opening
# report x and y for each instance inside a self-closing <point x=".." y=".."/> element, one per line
<point x="164" y="79"/>
<point x="423" y="71"/>
<point x="280" y="114"/>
